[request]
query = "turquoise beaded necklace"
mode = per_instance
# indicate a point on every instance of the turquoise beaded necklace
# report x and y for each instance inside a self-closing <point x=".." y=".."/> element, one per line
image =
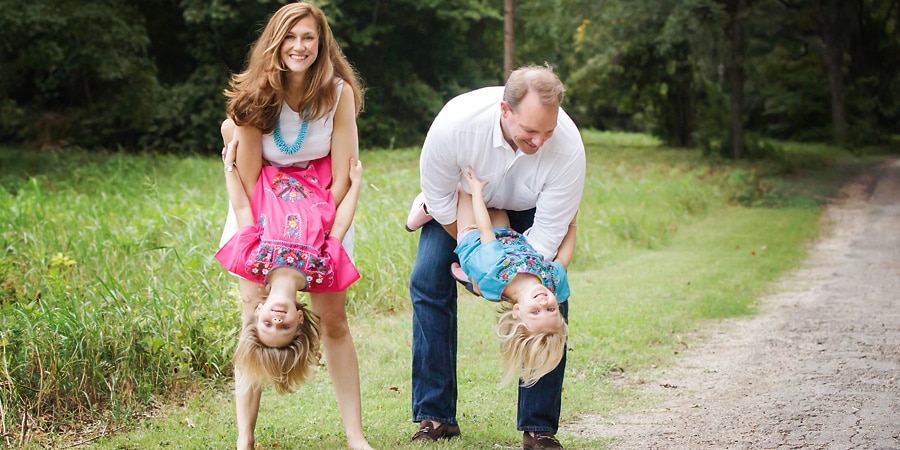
<point x="301" y="136"/>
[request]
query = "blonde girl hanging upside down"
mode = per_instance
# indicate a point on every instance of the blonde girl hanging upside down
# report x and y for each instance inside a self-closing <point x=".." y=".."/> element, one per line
<point x="289" y="240"/>
<point x="502" y="266"/>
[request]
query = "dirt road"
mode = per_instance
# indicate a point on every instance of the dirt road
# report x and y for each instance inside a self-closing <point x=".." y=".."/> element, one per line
<point x="819" y="368"/>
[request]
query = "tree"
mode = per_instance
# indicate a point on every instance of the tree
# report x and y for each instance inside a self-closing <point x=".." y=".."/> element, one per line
<point x="411" y="67"/>
<point x="509" y="51"/>
<point x="737" y="10"/>
<point x="150" y="74"/>
<point x="827" y="26"/>
<point x="874" y="72"/>
<point x="827" y="70"/>
<point x="647" y="59"/>
<point x="73" y="71"/>
<point x="196" y="44"/>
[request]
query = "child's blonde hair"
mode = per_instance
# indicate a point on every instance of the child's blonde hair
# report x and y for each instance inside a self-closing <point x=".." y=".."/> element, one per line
<point x="285" y="367"/>
<point x="528" y="354"/>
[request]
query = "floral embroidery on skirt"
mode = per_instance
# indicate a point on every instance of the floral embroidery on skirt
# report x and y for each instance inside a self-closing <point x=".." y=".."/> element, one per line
<point x="270" y="255"/>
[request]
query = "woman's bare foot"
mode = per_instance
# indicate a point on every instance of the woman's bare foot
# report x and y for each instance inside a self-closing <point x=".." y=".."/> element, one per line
<point x="359" y="445"/>
<point x="246" y="443"/>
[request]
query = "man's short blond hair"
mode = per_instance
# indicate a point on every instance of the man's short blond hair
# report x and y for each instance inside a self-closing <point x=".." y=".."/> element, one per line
<point x="538" y="79"/>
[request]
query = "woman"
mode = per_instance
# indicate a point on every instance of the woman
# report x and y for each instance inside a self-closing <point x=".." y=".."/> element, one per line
<point x="297" y="101"/>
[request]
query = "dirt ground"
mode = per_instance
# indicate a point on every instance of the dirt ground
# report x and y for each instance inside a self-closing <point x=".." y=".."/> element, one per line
<point x="818" y="368"/>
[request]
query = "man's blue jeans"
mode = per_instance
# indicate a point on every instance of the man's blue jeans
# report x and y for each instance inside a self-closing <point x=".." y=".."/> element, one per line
<point x="433" y="293"/>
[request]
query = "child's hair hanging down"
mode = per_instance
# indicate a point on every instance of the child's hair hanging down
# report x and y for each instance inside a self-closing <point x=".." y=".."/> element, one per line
<point x="529" y="354"/>
<point x="502" y="265"/>
<point x="285" y="367"/>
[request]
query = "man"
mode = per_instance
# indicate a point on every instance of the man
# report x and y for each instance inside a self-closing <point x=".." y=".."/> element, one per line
<point x="519" y="139"/>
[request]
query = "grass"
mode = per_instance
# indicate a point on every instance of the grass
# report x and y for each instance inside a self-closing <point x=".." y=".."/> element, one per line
<point x="115" y="316"/>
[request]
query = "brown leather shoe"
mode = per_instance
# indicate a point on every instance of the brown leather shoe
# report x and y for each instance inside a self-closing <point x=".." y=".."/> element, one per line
<point x="540" y="440"/>
<point x="427" y="432"/>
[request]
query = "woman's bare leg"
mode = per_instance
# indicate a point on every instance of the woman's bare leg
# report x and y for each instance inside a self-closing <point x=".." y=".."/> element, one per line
<point x="247" y="406"/>
<point x="247" y="403"/>
<point x="341" y="362"/>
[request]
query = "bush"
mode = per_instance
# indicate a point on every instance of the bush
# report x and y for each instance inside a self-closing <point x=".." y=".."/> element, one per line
<point x="187" y="116"/>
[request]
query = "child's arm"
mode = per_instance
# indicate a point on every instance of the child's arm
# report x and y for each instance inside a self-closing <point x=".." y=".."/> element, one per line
<point x="240" y="202"/>
<point x="482" y="216"/>
<point x="343" y="217"/>
<point x="566" y="251"/>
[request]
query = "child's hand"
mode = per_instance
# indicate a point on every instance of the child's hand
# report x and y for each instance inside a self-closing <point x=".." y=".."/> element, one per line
<point x="229" y="154"/>
<point x="472" y="178"/>
<point x="356" y="171"/>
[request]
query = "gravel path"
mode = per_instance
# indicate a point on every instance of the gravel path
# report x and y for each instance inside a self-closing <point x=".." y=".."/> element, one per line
<point x="818" y="368"/>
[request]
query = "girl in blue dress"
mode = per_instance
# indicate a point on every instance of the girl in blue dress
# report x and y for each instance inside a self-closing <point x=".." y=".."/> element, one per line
<point x="502" y="266"/>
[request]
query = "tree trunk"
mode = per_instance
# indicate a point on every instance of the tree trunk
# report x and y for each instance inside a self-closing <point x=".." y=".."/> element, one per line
<point x="834" y="62"/>
<point x="508" y="38"/>
<point x="682" y="111"/>
<point x="736" y="77"/>
<point x="831" y="28"/>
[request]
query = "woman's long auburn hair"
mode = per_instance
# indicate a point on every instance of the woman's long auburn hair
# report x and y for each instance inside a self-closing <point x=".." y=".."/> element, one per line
<point x="255" y="95"/>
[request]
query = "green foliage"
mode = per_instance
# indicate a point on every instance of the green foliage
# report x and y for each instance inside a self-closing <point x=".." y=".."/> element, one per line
<point x="413" y="56"/>
<point x="402" y="97"/>
<point x="874" y="107"/>
<point x="791" y="106"/>
<point x="112" y="297"/>
<point x="187" y="115"/>
<point x="196" y="45"/>
<point x="652" y="66"/>
<point x="790" y="94"/>
<point x="78" y="72"/>
<point x="643" y="58"/>
<point x="149" y="74"/>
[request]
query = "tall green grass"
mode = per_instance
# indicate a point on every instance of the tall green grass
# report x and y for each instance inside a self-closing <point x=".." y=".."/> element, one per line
<point x="112" y="303"/>
<point x="109" y="294"/>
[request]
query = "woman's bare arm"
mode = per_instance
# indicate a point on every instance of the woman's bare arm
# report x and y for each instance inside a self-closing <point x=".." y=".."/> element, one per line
<point x="347" y="209"/>
<point x="249" y="159"/>
<point x="344" y="144"/>
<point x="240" y="201"/>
